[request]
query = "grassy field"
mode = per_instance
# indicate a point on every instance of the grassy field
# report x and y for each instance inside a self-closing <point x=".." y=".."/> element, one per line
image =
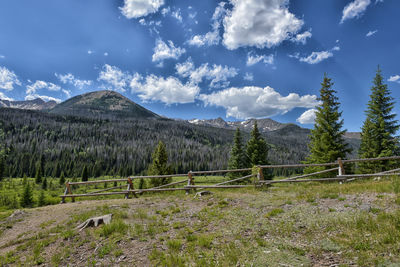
<point x="351" y="224"/>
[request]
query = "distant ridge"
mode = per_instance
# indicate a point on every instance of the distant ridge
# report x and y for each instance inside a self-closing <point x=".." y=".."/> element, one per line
<point x="103" y="104"/>
<point x="264" y="125"/>
<point x="36" y="104"/>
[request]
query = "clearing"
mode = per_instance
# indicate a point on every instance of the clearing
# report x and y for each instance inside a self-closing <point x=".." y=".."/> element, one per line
<point x="311" y="224"/>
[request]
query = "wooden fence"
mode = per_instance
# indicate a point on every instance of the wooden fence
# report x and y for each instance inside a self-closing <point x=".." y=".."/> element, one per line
<point x="255" y="174"/>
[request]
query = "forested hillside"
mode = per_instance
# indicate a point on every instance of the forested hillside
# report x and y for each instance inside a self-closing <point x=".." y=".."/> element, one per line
<point x="123" y="147"/>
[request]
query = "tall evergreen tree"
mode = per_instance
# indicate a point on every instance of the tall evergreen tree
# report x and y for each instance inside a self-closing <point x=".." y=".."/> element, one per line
<point x="39" y="173"/>
<point x="27" y="196"/>
<point x="85" y="175"/>
<point x="62" y="179"/>
<point x="44" y="184"/>
<point x="238" y="157"/>
<point x="327" y="142"/>
<point x="160" y="165"/>
<point x="257" y="150"/>
<point x="380" y="126"/>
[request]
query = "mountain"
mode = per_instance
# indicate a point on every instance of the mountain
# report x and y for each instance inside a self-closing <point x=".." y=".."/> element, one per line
<point x="289" y="142"/>
<point x="36" y="104"/>
<point x="264" y="125"/>
<point x="103" y="105"/>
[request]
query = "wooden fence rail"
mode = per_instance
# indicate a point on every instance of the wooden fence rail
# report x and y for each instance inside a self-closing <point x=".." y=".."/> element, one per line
<point x="258" y="179"/>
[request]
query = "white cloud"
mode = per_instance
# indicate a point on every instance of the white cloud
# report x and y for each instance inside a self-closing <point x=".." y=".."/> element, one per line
<point x="70" y="79"/>
<point x="8" y="79"/>
<point x="212" y="37"/>
<point x="256" y="102"/>
<point x="140" y="8"/>
<point x="168" y="90"/>
<point x="370" y="33"/>
<point x="67" y="93"/>
<point x="260" y="23"/>
<point x="308" y="117"/>
<point x="164" y="51"/>
<point x="177" y="15"/>
<point x="316" y="57"/>
<point x="4" y="97"/>
<point x="115" y="79"/>
<point x="394" y="78"/>
<point x="248" y="76"/>
<point x="302" y="37"/>
<point x="43" y="97"/>
<point x="185" y="68"/>
<point x="90" y="52"/>
<point x="165" y="11"/>
<point x="37" y="85"/>
<point x="2" y="56"/>
<point x="336" y="48"/>
<point x="217" y="74"/>
<point x="354" y="9"/>
<point x="105" y="54"/>
<point x="254" y="59"/>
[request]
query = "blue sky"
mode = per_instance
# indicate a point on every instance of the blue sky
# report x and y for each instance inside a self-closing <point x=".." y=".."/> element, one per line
<point x="184" y="59"/>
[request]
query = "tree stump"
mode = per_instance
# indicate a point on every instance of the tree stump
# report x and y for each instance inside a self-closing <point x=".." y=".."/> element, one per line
<point x="95" y="221"/>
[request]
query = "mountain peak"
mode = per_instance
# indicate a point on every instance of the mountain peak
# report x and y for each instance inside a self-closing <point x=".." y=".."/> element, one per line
<point x="103" y="104"/>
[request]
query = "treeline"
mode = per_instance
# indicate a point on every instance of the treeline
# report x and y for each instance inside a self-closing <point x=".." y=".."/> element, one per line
<point x="56" y="144"/>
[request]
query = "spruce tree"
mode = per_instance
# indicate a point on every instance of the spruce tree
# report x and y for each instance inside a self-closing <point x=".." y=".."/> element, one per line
<point x="44" y="184"/>
<point x="160" y="165"/>
<point x="85" y="175"/>
<point x="238" y="157"/>
<point x="257" y="150"/>
<point x="380" y="126"/>
<point x="27" y="196"/>
<point x="62" y="179"/>
<point x="42" y="199"/>
<point x="39" y="173"/>
<point x="327" y="142"/>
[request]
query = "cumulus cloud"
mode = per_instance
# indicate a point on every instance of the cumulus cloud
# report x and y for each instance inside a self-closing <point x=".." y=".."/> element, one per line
<point x="248" y="76"/>
<point x="43" y="97"/>
<point x="37" y="85"/>
<point x="140" y="8"/>
<point x="168" y="90"/>
<point x="254" y="59"/>
<point x="212" y="37"/>
<point x="163" y="51"/>
<point x="302" y="37"/>
<point x="370" y="33"/>
<point x="260" y="23"/>
<point x="114" y="78"/>
<point x="354" y="9"/>
<point x="256" y="102"/>
<point x="217" y="74"/>
<point x="8" y="79"/>
<point x="316" y="57"/>
<point x="394" y="78"/>
<point x="308" y="117"/>
<point x="4" y="97"/>
<point x="71" y="79"/>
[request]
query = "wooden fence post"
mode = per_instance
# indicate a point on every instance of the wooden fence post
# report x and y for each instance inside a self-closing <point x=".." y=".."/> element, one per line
<point x="260" y="175"/>
<point x="70" y="191"/>
<point x="190" y="181"/>
<point x="341" y="168"/>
